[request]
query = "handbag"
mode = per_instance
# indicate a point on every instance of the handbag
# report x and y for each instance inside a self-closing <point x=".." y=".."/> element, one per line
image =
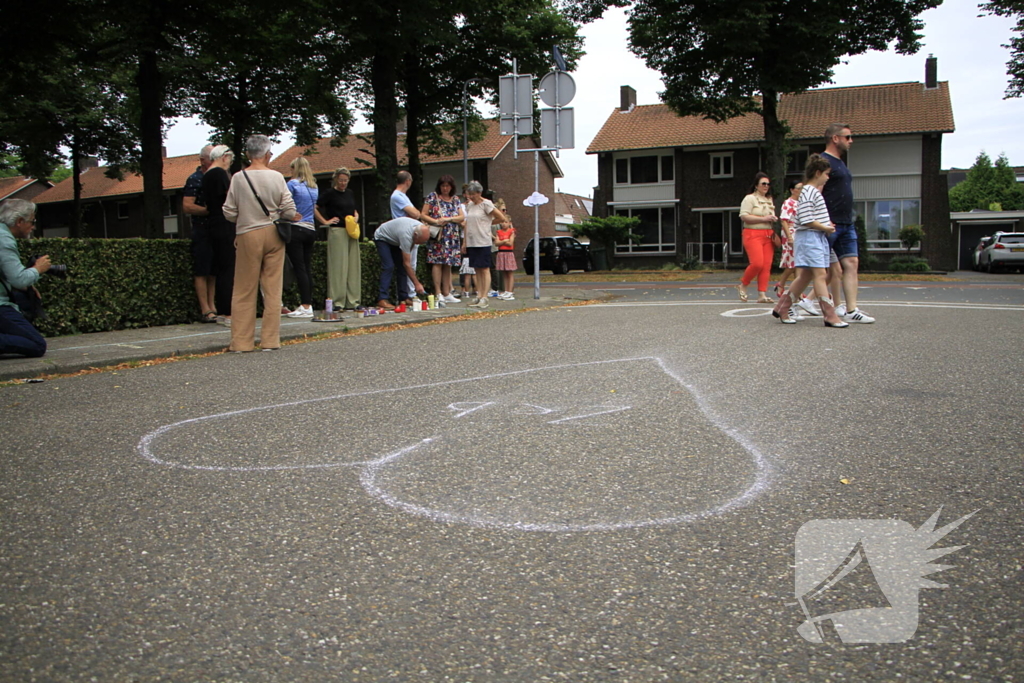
<point x="352" y="227"/>
<point x="284" y="227"/>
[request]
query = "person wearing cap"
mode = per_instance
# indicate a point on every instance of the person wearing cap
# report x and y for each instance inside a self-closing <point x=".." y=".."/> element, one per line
<point x="395" y="242"/>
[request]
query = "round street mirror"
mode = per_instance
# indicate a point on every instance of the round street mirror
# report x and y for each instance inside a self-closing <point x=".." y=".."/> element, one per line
<point x="566" y="89"/>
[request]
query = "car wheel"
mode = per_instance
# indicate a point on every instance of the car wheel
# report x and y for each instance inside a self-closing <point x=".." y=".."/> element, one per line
<point x="528" y="269"/>
<point x="561" y="268"/>
<point x="588" y="265"/>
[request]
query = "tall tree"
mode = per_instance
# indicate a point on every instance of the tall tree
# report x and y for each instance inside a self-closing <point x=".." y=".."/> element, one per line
<point x="988" y="185"/>
<point x="282" y="74"/>
<point x="1014" y="67"/>
<point x="730" y="57"/>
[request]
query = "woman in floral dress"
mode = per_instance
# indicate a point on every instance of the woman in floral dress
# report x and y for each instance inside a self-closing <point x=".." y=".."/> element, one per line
<point x="446" y="250"/>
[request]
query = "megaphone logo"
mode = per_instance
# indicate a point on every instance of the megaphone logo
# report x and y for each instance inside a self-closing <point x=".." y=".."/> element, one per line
<point x="857" y="580"/>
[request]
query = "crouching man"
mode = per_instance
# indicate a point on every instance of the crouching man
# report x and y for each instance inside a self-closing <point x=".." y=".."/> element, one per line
<point x="395" y="242"/>
<point x="17" y="335"/>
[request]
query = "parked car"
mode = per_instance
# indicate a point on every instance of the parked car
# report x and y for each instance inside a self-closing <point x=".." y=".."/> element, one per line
<point x="976" y="256"/>
<point x="559" y="255"/>
<point x="1005" y="251"/>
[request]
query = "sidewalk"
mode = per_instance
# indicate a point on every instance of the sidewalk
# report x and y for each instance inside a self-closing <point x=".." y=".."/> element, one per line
<point x="99" y="349"/>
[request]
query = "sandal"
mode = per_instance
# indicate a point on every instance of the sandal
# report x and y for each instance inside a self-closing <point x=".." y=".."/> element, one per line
<point x="209" y="317"/>
<point x="742" y="292"/>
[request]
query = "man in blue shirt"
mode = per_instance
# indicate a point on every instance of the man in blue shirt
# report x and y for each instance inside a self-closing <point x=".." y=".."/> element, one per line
<point x="17" y="335"/>
<point x="838" y="194"/>
<point x="402" y="207"/>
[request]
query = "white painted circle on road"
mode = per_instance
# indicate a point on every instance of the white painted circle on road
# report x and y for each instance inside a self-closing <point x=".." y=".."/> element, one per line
<point x="745" y="312"/>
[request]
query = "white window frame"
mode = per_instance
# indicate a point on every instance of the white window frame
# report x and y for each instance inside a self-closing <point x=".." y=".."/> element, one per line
<point x="662" y="247"/>
<point x="659" y="155"/>
<point x="892" y="244"/>
<point x="721" y="157"/>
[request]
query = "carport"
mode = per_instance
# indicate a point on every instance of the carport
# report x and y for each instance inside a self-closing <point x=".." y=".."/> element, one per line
<point x="971" y="226"/>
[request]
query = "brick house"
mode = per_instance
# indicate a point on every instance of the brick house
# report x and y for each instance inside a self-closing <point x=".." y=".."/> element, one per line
<point x="685" y="177"/>
<point x="492" y="162"/>
<point x="571" y="209"/>
<point x="22" y="187"/>
<point x="112" y="207"/>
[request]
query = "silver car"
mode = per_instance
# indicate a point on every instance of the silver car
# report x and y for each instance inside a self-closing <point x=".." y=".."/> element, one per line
<point x="1005" y="251"/>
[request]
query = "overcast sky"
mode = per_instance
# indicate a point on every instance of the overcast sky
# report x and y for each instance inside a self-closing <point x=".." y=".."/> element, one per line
<point x="968" y="47"/>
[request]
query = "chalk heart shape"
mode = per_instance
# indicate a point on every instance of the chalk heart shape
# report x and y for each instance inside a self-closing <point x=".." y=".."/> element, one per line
<point x="579" y="447"/>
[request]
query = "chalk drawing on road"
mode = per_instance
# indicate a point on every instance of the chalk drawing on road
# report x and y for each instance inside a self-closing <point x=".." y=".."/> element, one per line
<point x="746" y="312"/>
<point x="564" y="462"/>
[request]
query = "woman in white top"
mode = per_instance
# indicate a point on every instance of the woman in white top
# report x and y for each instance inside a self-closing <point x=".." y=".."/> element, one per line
<point x="810" y="244"/>
<point x="480" y="214"/>
<point x="259" y="251"/>
<point x="758" y="215"/>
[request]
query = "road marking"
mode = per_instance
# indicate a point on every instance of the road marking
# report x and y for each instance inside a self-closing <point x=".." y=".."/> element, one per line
<point x="901" y="304"/>
<point x="735" y="313"/>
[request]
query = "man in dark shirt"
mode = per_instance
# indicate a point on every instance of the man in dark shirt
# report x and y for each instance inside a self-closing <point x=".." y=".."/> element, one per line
<point x="202" y="250"/>
<point x="838" y="194"/>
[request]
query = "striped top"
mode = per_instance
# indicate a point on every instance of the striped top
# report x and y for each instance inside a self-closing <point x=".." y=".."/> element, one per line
<point x="811" y="207"/>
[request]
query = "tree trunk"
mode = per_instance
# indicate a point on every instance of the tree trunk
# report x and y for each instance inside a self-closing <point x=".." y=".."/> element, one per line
<point x="413" y="100"/>
<point x="75" y="224"/>
<point x="150" y="83"/>
<point x="238" y="124"/>
<point x="775" y="132"/>
<point x="384" y="72"/>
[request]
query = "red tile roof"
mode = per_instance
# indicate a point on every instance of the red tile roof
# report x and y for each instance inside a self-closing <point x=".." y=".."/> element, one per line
<point x="9" y="186"/>
<point x="889" y="109"/>
<point x="572" y="204"/>
<point x="356" y="153"/>
<point x="96" y="185"/>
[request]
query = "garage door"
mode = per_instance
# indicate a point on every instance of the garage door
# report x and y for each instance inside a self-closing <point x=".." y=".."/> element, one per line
<point x="971" y="233"/>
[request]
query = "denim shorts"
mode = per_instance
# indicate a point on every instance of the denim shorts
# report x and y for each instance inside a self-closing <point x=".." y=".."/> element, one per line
<point x="810" y="249"/>
<point x="844" y="240"/>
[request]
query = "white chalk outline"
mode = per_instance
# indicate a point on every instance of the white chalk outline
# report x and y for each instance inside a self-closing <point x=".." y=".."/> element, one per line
<point x="371" y="468"/>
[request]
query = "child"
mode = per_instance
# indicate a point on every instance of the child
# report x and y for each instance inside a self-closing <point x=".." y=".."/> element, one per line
<point x="506" y="261"/>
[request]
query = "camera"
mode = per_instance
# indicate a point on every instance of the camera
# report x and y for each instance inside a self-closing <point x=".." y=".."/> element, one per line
<point x="59" y="270"/>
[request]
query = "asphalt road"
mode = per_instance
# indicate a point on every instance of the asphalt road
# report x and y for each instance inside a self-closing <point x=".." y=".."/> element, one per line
<point x="600" y="493"/>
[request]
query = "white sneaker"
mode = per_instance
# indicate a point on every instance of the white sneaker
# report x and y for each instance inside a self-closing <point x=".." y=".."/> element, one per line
<point x="808" y="306"/>
<point x="795" y="315"/>
<point x="506" y="296"/>
<point x="301" y="312"/>
<point x="857" y="316"/>
<point x="493" y="293"/>
<point x="449" y="299"/>
<point x="841" y="310"/>
<point x="480" y="303"/>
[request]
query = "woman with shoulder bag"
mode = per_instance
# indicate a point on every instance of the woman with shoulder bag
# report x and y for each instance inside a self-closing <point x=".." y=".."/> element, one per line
<point x="300" y="249"/>
<point x="758" y="214"/>
<point x="258" y="196"/>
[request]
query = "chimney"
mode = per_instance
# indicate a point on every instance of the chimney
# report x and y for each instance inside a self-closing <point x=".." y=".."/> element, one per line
<point x="402" y="125"/>
<point x="163" y="152"/>
<point x="931" y="73"/>
<point x="85" y="163"/>
<point x="628" y="97"/>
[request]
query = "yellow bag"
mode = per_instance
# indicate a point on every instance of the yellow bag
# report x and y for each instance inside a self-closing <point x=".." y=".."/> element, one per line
<point x="352" y="227"/>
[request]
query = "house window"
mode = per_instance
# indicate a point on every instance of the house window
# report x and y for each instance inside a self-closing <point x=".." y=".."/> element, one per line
<point x="796" y="161"/>
<point x="883" y="220"/>
<point x="721" y="165"/>
<point x="622" y="171"/>
<point x="657" y="229"/>
<point x="122" y="211"/>
<point x="169" y="207"/>
<point x="644" y="170"/>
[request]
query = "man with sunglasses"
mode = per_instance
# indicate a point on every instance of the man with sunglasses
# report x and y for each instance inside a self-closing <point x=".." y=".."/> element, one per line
<point x="838" y="193"/>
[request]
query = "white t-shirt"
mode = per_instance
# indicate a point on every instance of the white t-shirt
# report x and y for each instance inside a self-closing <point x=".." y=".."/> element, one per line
<point x="478" y="223"/>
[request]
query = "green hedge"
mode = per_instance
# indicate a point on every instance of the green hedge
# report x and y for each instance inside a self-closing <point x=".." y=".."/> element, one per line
<point x="117" y="284"/>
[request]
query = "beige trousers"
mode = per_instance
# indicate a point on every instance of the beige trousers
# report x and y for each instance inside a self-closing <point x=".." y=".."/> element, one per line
<point x="259" y="263"/>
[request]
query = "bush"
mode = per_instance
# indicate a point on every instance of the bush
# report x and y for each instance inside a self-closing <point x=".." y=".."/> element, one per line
<point x="909" y="264"/>
<point x="116" y="284"/>
<point x="670" y="266"/>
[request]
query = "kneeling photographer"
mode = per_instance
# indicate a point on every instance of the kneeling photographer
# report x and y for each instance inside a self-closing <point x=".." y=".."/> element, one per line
<point x="17" y="335"/>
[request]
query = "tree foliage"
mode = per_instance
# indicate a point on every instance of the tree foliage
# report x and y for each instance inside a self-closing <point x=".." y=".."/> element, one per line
<point x="1014" y="67"/>
<point x="607" y="232"/>
<point x="987" y="184"/>
<point x="726" y="58"/>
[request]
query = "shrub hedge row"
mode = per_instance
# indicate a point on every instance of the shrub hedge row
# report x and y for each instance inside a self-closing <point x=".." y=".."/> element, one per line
<point x="116" y="284"/>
